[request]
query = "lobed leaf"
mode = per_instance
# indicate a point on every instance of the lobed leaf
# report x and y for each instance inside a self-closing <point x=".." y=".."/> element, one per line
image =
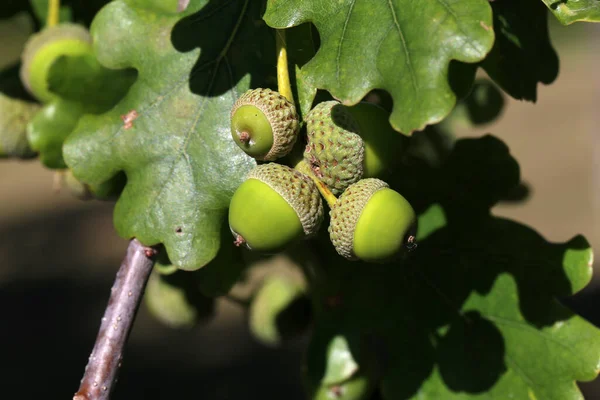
<point x="402" y="46"/>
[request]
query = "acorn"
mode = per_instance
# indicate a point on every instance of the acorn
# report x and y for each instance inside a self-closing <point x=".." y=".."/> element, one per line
<point x="273" y="207"/>
<point x="372" y="222"/>
<point x="335" y="150"/>
<point x="264" y="124"/>
<point x="44" y="48"/>
<point x="384" y="146"/>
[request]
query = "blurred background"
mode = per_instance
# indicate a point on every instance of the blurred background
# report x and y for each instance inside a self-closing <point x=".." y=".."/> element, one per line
<point x="59" y="255"/>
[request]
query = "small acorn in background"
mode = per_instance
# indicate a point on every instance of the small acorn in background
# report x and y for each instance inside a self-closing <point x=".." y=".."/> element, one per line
<point x="372" y="222"/>
<point x="264" y="124"/>
<point x="335" y="151"/>
<point x="44" y="48"/>
<point x="273" y="207"/>
<point x="15" y="114"/>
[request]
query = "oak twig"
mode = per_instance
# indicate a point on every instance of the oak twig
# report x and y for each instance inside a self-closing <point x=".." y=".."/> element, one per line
<point x="104" y="362"/>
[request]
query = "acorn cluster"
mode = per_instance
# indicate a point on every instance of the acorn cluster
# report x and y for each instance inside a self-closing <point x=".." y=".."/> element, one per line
<point x="346" y="150"/>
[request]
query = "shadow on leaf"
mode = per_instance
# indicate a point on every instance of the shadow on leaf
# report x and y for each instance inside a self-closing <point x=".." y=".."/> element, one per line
<point x="233" y="41"/>
<point x="443" y="313"/>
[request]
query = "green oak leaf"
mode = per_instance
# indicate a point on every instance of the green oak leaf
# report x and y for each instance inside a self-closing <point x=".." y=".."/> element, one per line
<point x="495" y="327"/>
<point x="402" y="46"/>
<point x="569" y="11"/>
<point x="522" y="54"/>
<point x="182" y="166"/>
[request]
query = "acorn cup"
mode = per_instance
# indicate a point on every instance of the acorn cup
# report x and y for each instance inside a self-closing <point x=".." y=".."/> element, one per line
<point x="335" y="151"/>
<point x="275" y="206"/>
<point x="264" y="124"/>
<point x="372" y="222"/>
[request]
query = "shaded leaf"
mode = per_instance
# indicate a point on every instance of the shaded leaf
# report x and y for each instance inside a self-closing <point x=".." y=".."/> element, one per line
<point x="400" y="46"/>
<point x="473" y="312"/>
<point x="522" y="54"/>
<point x="175" y="300"/>
<point x="569" y="11"/>
<point x="276" y="296"/>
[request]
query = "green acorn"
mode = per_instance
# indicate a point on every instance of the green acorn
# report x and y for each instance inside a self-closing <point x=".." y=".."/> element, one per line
<point x="264" y="124"/>
<point x="372" y="222"/>
<point x="273" y="207"/>
<point x="335" y="151"/>
<point x="44" y="48"/>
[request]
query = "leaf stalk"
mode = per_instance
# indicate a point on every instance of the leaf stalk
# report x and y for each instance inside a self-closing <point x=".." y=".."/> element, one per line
<point x="53" y="16"/>
<point x="283" y="74"/>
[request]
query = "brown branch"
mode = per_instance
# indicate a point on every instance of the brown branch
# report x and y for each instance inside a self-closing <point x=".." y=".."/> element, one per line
<point x="101" y="372"/>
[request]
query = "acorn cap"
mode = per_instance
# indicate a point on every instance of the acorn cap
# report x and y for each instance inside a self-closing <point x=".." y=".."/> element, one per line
<point x="43" y="48"/>
<point x="335" y="150"/>
<point x="274" y="206"/>
<point x="371" y="222"/>
<point x="264" y="124"/>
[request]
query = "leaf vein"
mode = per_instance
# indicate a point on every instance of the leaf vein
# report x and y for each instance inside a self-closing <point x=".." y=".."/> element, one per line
<point x="341" y="41"/>
<point x="404" y="46"/>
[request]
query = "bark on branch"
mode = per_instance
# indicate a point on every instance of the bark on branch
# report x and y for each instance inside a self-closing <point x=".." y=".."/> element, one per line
<point x="101" y="371"/>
